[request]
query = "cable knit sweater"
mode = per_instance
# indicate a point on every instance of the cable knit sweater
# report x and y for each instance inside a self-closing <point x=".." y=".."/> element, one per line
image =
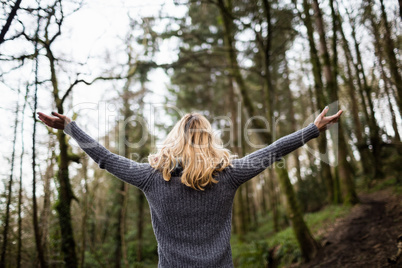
<point x="192" y="227"/>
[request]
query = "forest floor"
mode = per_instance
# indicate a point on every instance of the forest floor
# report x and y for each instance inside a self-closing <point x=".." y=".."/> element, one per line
<point x="366" y="237"/>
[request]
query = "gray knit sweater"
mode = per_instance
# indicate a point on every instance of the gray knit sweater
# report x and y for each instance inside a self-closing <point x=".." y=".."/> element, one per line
<point x="192" y="227"/>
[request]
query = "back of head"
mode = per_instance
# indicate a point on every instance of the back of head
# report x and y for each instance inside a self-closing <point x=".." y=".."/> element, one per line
<point x="192" y="144"/>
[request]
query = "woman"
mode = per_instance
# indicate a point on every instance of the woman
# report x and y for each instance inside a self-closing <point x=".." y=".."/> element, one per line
<point x="190" y="184"/>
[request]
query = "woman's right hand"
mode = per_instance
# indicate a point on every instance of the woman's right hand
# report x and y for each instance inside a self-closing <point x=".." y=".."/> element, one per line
<point x="58" y="122"/>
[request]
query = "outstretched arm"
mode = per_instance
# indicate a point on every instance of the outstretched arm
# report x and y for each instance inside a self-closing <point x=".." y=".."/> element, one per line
<point x="123" y="168"/>
<point x="251" y="165"/>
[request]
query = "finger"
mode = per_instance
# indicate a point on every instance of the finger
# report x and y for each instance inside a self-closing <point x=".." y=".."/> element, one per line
<point x="42" y="115"/>
<point x="337" y="115"/>
<point x="52" y="123"/>
<point x="45" y="116"/>
<point x="332" y="117"/>
<point x="324" y="112"/>
<point x="333" y="121"/>
<point x="44" y="119"/>
<point x="58" y="115"/>
<point x="49" y="121"/>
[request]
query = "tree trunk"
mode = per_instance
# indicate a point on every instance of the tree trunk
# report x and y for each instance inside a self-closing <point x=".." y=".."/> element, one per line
<point x="140" y="223"/>
<point x="390" y="51"/>
<point x="293" y="123"/>
<point x="265" y="44"/>
<point x="309" y="247"/>
<point x="19" y="235"/>
<point x="9" y="189"/>
<point x="118" y="230"/>
<point x="84" y="162"/>
<point x="38" y="241"/>
<point x="332" y="89"/>
<point x="273" y="198"/>
<point x="238" y="208"/>
<point x="63" y="206"/>
<point x="375" y="139"/>
<point x="391" y="110"/>
<point x="361" y="141"/>
<point x="325" y="170"/>
<point x="348" y="171"/>
<point x="252" y="211"/>
<point x="400" y="8"/>
<point x="122" y="222"/>
<point x="240" y="229"/>
<point x="387" y="89"/>
<point x="44" y="218"/>
<point x="225" y="10"/>
<point x="267" y="138"/>
<point x="234" y="69"/>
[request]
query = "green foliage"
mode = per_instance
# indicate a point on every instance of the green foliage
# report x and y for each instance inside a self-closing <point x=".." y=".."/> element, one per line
<point x="392" y="169"/>
<point x="254" y="251"/>
<point x="311" y="193"/>
<point x="328" y="215"/>
<point x="252" y="254"/>
<point x="392" y="162"/>
<point x="392" y="182"/>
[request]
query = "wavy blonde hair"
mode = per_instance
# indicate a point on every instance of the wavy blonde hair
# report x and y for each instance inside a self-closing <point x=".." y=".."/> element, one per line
<point x="192" y="144"/>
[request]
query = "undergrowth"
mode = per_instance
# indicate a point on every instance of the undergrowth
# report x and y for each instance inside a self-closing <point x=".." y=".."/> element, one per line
<point x="254" y="249"/>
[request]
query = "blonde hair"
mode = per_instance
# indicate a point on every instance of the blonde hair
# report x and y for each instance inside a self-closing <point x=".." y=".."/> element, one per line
<point x="191" y="144"/>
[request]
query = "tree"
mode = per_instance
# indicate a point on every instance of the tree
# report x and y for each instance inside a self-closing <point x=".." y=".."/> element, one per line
<point x="365" y="93"/>
<point x="309" y="247"/>
<point x="355" y="103"/>
<point x="9" y="189"/>
<point x="390" y="52"/>
<point x="347" y="185"/>
<point x="307" y="243"/>
<point x="19" y="237"/>
<point x="325" y="169"/>
<point x="38" y="239"/>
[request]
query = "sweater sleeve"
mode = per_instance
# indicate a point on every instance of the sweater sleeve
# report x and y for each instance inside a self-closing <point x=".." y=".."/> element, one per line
<point x="245" y="168"/>
<point x="125" y="169"/>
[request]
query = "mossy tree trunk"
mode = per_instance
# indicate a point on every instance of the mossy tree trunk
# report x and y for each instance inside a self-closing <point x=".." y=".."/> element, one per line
<point x="225" y="8"/>
<point x="365" y="93"/>
<point x="325" y="168"/>
<point x="360" y="135"/>
<point x="330" y="72"/>
<point x="292" y="118"/>
<point x="84" y="208"/>
<point x="309" y="247"/>
<point x="300" y="227"/>
<point x="66" y="196"/>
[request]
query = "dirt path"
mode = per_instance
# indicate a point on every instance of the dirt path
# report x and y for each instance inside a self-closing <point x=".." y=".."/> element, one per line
<point x="366" y="237"/>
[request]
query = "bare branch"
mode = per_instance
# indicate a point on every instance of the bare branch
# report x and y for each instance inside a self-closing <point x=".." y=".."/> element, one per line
<point x="105" y="78"/>
<point x="59" y="22"/>
<point x="9" y="20"/>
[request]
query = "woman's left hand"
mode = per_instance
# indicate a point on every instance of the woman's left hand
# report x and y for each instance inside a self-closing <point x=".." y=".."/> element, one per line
<point x="323" y="122"/>
<point x="58" y="122"/>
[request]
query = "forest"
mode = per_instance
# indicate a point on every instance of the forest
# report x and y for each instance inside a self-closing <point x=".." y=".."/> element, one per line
<point x="126" y="71"/>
